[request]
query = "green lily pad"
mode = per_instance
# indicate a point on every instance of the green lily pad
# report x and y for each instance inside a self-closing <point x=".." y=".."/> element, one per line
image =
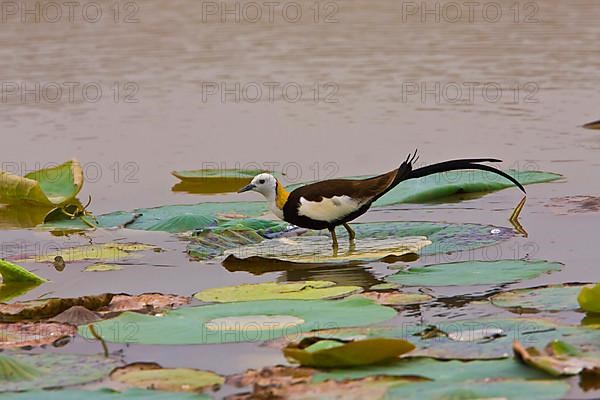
<point x="51" y="370"/>
<point x="114" y="252"/>
<point x="336" y="354"/>
<point x="46" y="187"/>
<point x="589" y="298"/>
<point x="474" y="339"/>
<point x="441" y="371"/>
<point x="251" y="321"/>
<point x="317" y="249"/>
<point x="473" y="273"/>
<point x="547" y="298"/>
<point x="375" y="241"/>
<point x="153" y="376"/>
<point x="201" y="175"/>
<point x="513" y="389"/>
<point x="309" y="290"/>
<point x="439" y="186"/>
<point x="104" y="394"/>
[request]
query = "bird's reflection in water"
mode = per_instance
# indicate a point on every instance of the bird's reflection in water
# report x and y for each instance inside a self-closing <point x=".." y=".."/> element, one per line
<point x="356" y="273"/>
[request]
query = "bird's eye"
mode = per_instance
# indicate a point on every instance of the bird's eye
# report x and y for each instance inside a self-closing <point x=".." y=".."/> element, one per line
<point x="261" y="181"/>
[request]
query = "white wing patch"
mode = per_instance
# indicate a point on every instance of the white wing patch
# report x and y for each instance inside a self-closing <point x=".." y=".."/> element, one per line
<point x="328" y="209"/>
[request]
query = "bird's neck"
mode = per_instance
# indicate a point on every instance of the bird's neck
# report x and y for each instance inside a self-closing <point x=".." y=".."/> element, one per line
<point x="281" y="195"/>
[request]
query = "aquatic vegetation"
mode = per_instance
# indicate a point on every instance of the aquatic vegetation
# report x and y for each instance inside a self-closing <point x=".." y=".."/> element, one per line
<point x="153" y="376"/>
<point x="47" y="370"/>
<point x="309" y="290"/>
<point x="589" y="298"/>
<point x="547" y="298"/>
<point x="473" y="273"/>
<point x="328" y="353"/>
<point x="250" y="321"/>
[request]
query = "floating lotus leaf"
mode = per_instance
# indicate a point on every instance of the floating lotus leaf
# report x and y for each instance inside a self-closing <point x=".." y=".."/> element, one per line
<point x="114" y="252"/>
<point x="46" y="308"/>
<point x="512" y="389"/>
<point x="473" y="273"/>
<point x="213" y="241"/>
<point x="104" y="394"/>
<point x="52" y="370"/>
<point x="442" y="371"/>
<point x="153" y="376"/>
<point x="182" y="218"/>
<point x="216" y="174"/>
<point x="251" y="321"/>
<point x="555" y="363"/>
<point x="313" y="352"/>
<point x="439" y="186"/>
<point x="213" y="180"/>
<point x="46" y="187"/>
<point x="589" y="298"/>
<point x="309" y="290"/>
<point x="474" y="339"/>
<point x="317" y="249"/>
<point x="378" y="240"/>
<point x="547" y="298"/>
<point x="32" y="334"/>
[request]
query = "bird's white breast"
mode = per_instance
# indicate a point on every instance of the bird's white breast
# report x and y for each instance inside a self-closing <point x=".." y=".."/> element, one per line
<point x="328" y="209"/>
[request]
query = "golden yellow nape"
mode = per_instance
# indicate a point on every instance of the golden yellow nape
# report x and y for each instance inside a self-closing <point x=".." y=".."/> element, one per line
<point x="281" y="196"/>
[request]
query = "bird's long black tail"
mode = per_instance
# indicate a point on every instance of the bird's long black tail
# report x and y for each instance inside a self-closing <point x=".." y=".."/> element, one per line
<point x="452" y="165"/>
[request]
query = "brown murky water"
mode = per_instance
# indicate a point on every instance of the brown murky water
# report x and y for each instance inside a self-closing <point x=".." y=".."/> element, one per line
<point x="181" y="89"/>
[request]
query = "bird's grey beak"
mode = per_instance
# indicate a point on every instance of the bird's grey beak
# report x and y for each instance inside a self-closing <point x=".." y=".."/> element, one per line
<point x="249" y="186"/>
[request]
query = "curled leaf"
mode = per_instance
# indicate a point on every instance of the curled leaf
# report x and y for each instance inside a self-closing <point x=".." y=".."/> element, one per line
<point x="318" y="353"/>
<point x="46" y="187"/>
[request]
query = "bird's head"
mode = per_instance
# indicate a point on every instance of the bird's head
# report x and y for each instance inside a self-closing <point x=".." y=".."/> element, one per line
<point x="265" y="184"/>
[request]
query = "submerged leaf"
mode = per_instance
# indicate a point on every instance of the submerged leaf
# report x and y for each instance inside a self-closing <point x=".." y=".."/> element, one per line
<point x="55" y="370"/>
<point x="99" y="267"/>
<point x="251" y="321"/>
<point x="153" y="376"/>
<point x="348" y="354"/>
<point x="473" y="273"/>
<point x="112" y="252"/>
<point x="397" y="298"/>
<point x="309" y="290"/>
<point x="589" y="298"/>
<point x="46" y="187"/>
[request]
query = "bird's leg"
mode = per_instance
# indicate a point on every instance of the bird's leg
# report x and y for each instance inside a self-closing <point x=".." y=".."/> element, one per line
<point x="351" y="234"/>
<point x="334" y="243"/>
